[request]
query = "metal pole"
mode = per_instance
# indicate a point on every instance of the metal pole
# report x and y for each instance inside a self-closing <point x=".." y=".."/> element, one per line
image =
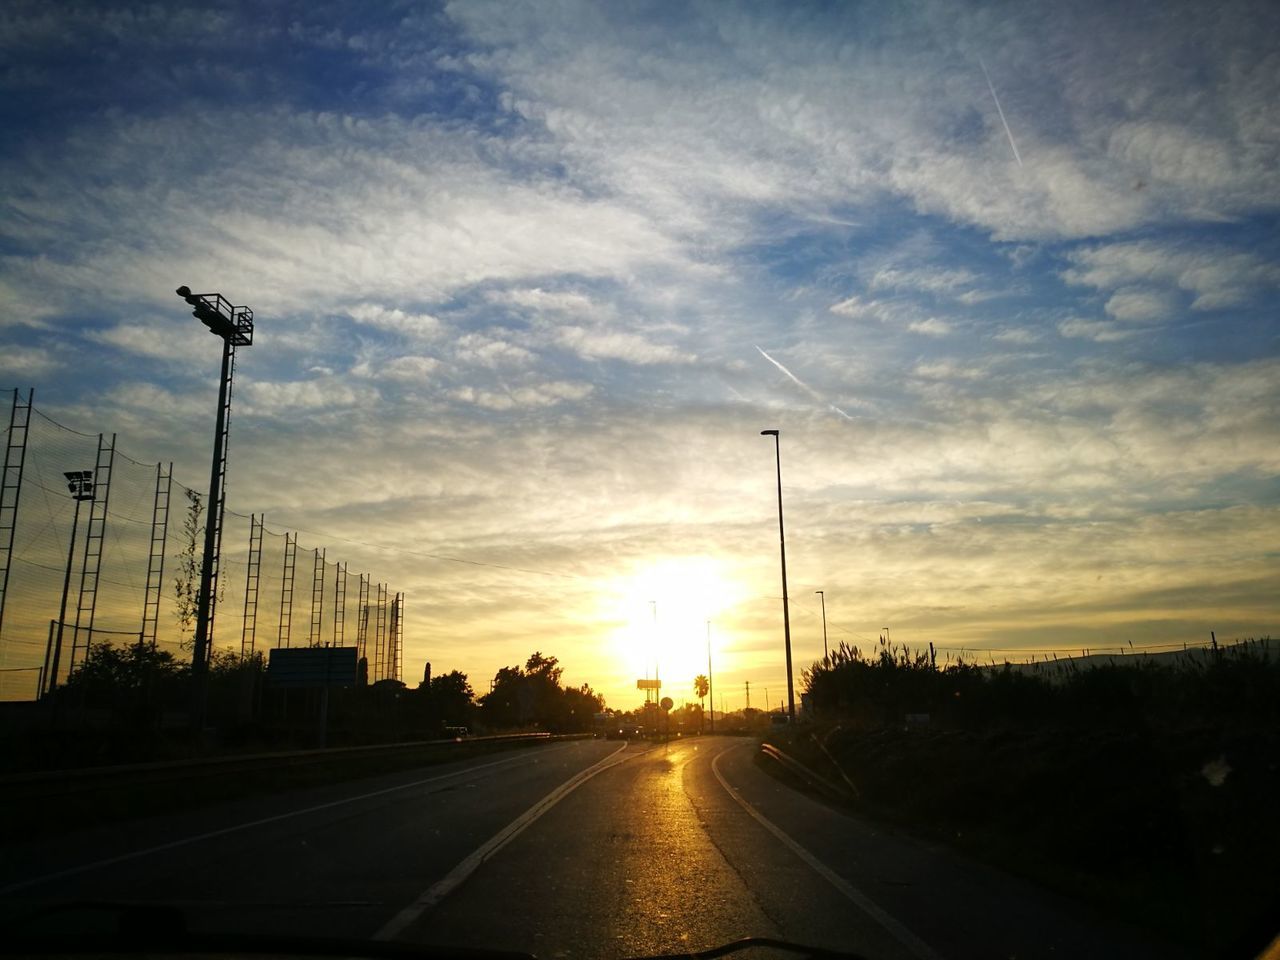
<point x="62" y="611"/>
<point x="826" y="657"/>
<point x="200" y="652"/>
<point x="711" y="690"/>
<point x="48" y="652"/>
<point x="657" y="694"/>
<point x="782" y="545"/>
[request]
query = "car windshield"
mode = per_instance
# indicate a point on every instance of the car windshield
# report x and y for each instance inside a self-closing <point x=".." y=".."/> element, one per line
<point x="595" y="479"/>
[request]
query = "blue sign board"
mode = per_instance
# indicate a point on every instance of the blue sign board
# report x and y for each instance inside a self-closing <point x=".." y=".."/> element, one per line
<point x="312" y="667"/>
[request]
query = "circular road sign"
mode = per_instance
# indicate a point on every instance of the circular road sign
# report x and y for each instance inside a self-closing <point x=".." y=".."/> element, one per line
<point x="667" y="703"/>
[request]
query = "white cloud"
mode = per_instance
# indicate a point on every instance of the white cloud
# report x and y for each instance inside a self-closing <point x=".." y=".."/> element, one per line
<point x="618" y="345"/>
<point x="490" y="351"/>
<point x="857" y="308"/>
<point x="563" y="302"/>
<point x="1215" y="276"/>
<point x="422" y="325"/>
<point x="269" y="398"/>
<point x="411" y="368"/>
<point x="28" y="361"/>
<point x="948" y="370"/>
<point x="930" y="326"/>
<point x="930" y="280"/>
<point x="808" y="108"/>
<point x="540" y="395"/>
<point x="1099" y="331"/>
<point x="161" y="339"/>
<point x="1019" y="335"/>
<point x="1138" y="304"/>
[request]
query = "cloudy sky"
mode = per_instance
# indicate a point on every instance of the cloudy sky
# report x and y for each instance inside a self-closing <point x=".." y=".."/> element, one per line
<point x="530" y="279"/>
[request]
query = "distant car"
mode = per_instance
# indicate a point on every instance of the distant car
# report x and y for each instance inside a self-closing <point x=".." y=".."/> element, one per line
<point x="626" y="731"/>
<point x="456" y="730"/>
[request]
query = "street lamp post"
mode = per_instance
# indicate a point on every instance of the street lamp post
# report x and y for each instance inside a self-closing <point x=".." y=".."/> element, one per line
<point x="711" y="690"/>
<point x="80" y="483"/>
<point x="782" y="546"/>
<point x="826" y="657"/>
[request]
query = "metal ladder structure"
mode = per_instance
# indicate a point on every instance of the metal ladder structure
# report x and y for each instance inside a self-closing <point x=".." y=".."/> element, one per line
<point x="362" y="628"/>
<point x="397" y="634"/>
<point x="94" y="537"/>
<point x="286" y="589"/>
<point x="155" y="561"/>
<point x="339" y="602"/>
<point x="317" y="598"/>
<point x="218" y="510"/>
<point x="363" y="631"/>
<point x="15" y="455"/>
<point x="380" y="635"/>
<point x="249" y="627"/>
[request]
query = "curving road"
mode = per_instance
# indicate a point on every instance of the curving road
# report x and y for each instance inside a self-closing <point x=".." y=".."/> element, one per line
<point x="582" y="849"/>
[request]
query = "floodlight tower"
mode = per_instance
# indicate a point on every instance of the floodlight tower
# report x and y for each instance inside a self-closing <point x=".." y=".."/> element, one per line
<point x="235" y="326"/>
<point x="80" y="484"/>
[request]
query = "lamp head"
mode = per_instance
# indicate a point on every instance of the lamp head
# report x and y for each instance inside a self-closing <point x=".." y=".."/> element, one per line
<point x="768" y="433"/>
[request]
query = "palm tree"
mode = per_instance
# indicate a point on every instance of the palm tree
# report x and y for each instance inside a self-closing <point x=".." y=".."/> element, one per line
<point x="701" y="687"/>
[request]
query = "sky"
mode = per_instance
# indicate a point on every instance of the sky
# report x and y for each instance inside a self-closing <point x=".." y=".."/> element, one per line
<point x="530" y="279"/>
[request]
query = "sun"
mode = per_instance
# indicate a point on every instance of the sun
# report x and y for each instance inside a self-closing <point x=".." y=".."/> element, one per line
<point x="662" y="609"/>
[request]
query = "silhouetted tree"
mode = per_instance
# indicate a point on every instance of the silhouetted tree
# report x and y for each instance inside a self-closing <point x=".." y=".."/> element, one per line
<point x="534" y="696"/>
<point x="451" y="697"/>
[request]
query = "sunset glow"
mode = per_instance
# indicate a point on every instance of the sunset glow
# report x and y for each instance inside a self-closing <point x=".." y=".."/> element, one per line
<point x="529" y="280"/>
<point x="664" y="609"/>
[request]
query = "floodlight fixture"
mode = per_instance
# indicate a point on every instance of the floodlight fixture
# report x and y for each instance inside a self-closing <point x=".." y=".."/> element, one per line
<point x="80" y="484"/>
<point x="234" y="324"/>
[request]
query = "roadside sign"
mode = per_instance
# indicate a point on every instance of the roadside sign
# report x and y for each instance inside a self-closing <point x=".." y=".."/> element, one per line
<point x="648" y="684"/>
<point x="667" y="703"/>
<point x="312" y="667"/>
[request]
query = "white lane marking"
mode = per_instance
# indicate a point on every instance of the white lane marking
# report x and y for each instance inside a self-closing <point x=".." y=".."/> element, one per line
<point x="172" y="844"/>
<point x="454" y="878"/>
<point x="859" y="899"/>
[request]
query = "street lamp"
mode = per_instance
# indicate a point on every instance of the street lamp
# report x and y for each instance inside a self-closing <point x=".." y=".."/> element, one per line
<point x="80" y="484"/>
<point x="657" y="693"/>
<point x="235" y="326"/>
<point x="826" y="657"/>
<point x="711" y="690"/>
<point x="782" y="545"/>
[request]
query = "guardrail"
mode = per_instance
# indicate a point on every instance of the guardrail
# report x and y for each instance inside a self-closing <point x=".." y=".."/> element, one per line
<point x="26" y="786"/>
<point x="798" y="769"/>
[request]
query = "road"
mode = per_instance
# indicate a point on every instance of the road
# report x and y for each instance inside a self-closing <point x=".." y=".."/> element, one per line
<point x="579" y="849"/>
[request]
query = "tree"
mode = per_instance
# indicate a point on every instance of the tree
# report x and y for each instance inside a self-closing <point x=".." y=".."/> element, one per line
<point x="451" y="696"/>
<point x="534" y="696"/>
<point x="502" y="706"/>
<point x="701" y="687"/>
<point x="186" y="585"/>
<point x="121" y="676"/>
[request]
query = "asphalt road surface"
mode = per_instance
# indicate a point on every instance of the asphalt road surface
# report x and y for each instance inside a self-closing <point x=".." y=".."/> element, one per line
<point x="579" y="849"/>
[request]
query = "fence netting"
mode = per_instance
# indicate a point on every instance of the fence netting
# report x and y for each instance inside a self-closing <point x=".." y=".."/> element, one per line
<point x="304" y="594"/>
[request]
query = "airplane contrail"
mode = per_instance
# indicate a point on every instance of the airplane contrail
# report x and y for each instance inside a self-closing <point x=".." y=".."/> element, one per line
<point x="794" y="378"/>
<point x="1000" y="110"/>
<point x="802" y="385"/>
